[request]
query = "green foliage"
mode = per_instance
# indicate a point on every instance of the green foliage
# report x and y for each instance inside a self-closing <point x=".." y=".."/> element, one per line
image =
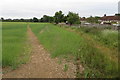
<point x="73" y="18"/>
<point x="59" y="16"/>
<point x="65" y="67"/>
<point x="46" y="18"/>
<point x="93" y="19"/>
<point x="35" y="19"/>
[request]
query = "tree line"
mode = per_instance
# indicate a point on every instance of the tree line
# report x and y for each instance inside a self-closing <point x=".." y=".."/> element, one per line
<point x="70" y="18"/>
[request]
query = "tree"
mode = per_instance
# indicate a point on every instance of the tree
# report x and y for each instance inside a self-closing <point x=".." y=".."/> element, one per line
<point x="31" y="20"/>
<point x="117" y="14"/>
<point x="22" y="20"/>
<point x="93" y="19"/>
<point x="35" y="19"/>
<point x="2" y="19"/>
<point x="73" y="18"/>
<point x="58" y="17"/>
<point x="51" y="19"/>
<point x="8" y="20"/>
<point x="46" y="18"/>
<point x="65" y="19"/>
<point x="41" y="20"/>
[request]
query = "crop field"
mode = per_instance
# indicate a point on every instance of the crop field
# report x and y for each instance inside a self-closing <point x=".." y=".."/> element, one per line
<point x="0" y="44"/>
<point x="13" y="43"/>
<point x="61" y="42"/>
<point x="94" y="48"/>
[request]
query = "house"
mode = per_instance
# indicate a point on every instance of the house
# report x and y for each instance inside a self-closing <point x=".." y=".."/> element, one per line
<point x="83" y="20"/>
<point x="110" y="19"/>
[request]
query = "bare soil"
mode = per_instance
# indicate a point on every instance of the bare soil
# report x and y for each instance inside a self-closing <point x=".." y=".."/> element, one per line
<point x="41" y="65"/>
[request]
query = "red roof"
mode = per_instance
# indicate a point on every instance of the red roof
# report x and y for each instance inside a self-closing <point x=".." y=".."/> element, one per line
<point x="110" y="18"/>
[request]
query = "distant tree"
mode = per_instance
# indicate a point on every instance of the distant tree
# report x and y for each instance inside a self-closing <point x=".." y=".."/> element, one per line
<point x="73" y="18"/>
<point x="51" y="19"/>
<point x="31" y="20"/>
<point x="22" y="20"/>
<point x="93" y="19"/>
<point x="65" y="19"/>
<point x="2" y="19"/>
<point x="35" y="19"/>
<point x="46" y="18"/>
<point x="8" y="20"/>
<point x="41" y="20"/>
<point x="58" y="17"/>
<point x="16" y="20"/>
<point x="117" y="14"/>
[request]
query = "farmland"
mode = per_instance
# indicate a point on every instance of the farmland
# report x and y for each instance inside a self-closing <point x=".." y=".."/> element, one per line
<point x="14" y="39"/>
<point x="0" y="44"/>
<point x="65" y="43"/>
<point x="86" y="46"/>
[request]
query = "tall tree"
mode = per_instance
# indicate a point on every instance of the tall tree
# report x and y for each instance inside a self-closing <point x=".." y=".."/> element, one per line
<point x="2" y="19"/>
<point x="73" y="18"/>
<point x="58" y="17"/>
<point x="35" y="19"/>
<point x="46" y="18"/>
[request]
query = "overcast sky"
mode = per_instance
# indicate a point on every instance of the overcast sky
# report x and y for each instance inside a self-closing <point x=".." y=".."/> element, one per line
<point x="37" y="8"/>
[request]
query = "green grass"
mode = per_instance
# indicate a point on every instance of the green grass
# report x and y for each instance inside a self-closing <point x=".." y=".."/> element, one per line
<point x="57" y="40"/>
<point x="14" y="39"/>
<point x="105" y="36"/>
<point x="65" y="67"/>
<point x="0" y="44"/>
<point x="60" y="42"/>
<point x="87" y="47"/>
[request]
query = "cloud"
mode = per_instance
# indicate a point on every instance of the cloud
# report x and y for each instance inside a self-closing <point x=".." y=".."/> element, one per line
<point x="31" y="8"/>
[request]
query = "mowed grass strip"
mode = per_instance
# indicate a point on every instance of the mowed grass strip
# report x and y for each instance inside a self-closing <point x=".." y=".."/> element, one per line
<point x="14" y="37"/>
<point x="60" y="42"/>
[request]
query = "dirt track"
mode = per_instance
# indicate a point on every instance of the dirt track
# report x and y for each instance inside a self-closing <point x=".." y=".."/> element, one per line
<point x="41" y="65"/>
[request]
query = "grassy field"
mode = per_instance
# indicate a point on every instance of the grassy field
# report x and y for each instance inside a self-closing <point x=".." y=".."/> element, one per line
<point x="61" y="42"/>
<point x="14" y="38"/>
<point x="96" y="49"/>
<point x="105" y="36"/>
<point x="0" y="44"/>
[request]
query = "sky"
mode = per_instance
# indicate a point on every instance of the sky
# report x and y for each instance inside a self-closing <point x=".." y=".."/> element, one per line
<point x="37" y="8"/>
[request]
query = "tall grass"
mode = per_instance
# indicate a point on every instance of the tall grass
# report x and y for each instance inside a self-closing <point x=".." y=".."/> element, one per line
<point x="105" y="36"/>
<point x="57" y="40"/>
<point x="0" y="44"/>
<point x="13" y="42"/>
<point x="60" y="42"/>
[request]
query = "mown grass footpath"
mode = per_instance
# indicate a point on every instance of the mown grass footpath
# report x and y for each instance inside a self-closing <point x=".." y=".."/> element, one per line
<point x="61" y="42"/>
<point x="14" y="39"/>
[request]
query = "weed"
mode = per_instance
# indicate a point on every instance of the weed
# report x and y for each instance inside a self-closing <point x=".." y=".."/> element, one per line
<point x="65" y="67"/>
